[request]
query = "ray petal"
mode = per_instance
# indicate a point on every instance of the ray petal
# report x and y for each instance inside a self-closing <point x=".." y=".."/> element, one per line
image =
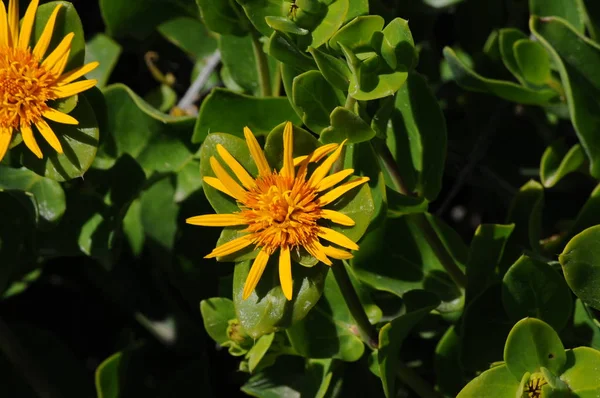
<point x="30" y="142"/>
<point x="337" y="217"/>
<point x="44" y="41"/>
<point x="318" y="153"/>
<point x="288" y="149"/>
<point x="230" y="247"/>
<point x="60" y="66"/>
<point x="339" y="191"/>
<point x="4" y="37"/>
<point x="334" y="179"/>
<point x="324" y="168"/>
<point x="74" y="88"/>
<point x="77" y="73"/>
<point x="285" y="272"/>
<point x="337" y="238"/>
<point x="13" y="22"/>
<point x="49" y="135"/>
<point x="257" y="154"/>
<point x="230" y="184"/>
<point x="316" y="250"/>
<point x="27" y="24"/>
<point x="59" y="117"/>
<point x="258" y="267"/>
<point x="5" y="137"/>
<point x="336" y="253"/>
<point x="217" y="220"/>
<point x="59" y="51"/>
<point x="216" y="184"/>
<point x="239" y="170"/>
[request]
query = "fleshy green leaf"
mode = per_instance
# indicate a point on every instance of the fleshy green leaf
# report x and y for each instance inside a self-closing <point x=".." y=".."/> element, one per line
<point x="285" y="25"/>
<point x="282" y="48"/>
<point x="315" y="98"/>
<point x="224" y="111"/>
<point x="190" y="35"/>
<point x="470" y="80"/>
<point x="448" y="369"/>
<point x="216" y="313"/>
<point x="532" y="288"/>
<point x="580" y="373"/>
<point x="107" y="377"/>
<point x="356" y="35"/>
<point x="580" y="261"/>
<point x="526" y="213"/>
<point x="557" y="162"/>
<point x="106" y="51"/>
<point x="571" y="11"/>
<point x="533" y="61"/>
<point x="334" y="70"/>
<point x="346" y="124"/>
<point x="586" y="329"/>
<point x="497" y="382"/>
<point x="506" y="40"/>
<point x="532" y="344"/>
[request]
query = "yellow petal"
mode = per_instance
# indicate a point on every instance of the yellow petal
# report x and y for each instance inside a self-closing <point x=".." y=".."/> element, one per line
<point x="4" y="38"/>
<point x="316" y="250"/>
<point x="230" y="247"/>
<point x="44" y="41"/>
<point x="59" y="51"/>
<point x="324" y="168"/>
<point x="13" y="21"/>
<point x="260" y="262"/>
<point x="30" y="142"/>
<point x="288" y="149"/>
<point x="334" y="179"/>
<point x="317" y="154"/>
<point x="336" y="253"/>
<point x="27" y="24"/>
<point x="337" y="217"/>
<point x="59" y="117"/>
<point x="77" y="73"/>
<point x="60" y="65"/>
<point x="257" y="153"/>
<point x="239" y="171"/>
<point x="230" y="184"/>
<point x="49" y="135"/>
<point x="342" y="189"/>
<point x="217" y="220"/>
<point x="74" y="88"/>
<point x="5" y="136"/>
<point x="337" y="238"/>
<point x="285" y="272"/>
<point x="216" y="184"/>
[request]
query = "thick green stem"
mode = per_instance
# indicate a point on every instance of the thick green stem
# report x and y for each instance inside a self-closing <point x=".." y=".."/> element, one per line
<point x="440" y="251"/>
<point x="389" y="164"/>
<point x="367" y="331"/>
<point x="262" y="66"/>
<point x="350" y="102"/>
<point x="415" y="382"/>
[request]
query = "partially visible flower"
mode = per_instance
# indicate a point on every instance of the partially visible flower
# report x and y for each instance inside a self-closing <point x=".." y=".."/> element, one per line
<point x="283" y="210"/>
<point x="28" y="80"/>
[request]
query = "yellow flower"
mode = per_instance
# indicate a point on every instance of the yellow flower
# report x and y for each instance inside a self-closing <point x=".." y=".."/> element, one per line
<point x="281" y="209"/>
<point x="28" y="80"/>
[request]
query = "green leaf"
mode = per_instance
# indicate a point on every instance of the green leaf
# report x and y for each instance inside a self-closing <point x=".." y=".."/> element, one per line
<point x="526" y="213"/>
<point x="346" y="124"/>
<point x="448" y="370"/>
<point x="397" y="45"/>
<point x="580" y="261"/>
<point x="282" y="48"/>
<point x="533" y="288"/>
<point x="497" y="382"/>
<point x="303" y="144"/>
<point x="257" y="10"/>
<point x="79" y="143"/>
<point x="485" y="253"/>
<point x="285" y="25"/>
<point x="48" y="194"/>
<point x="190" y="35"/>
<point x="409" y="263"/>
<point x="356" y="35"/>
<point x="159" y="213"/>
<point x="140" y="19"/>
<point x="107" y="377"/>
<point x="571" y="11"/>
<point x="585" y="327"/>
<point x="580" y="373"/>
<point x="469" y="80"/>
<point x="133" y="228"/>
<point x="557" y="162"/>
<point x="575" y="57"/>
<point x="188" y="181"/>
<point x="287" y="378"/>
<point x="267" y="310"/>
<point x="338" y="332"/>
<point x="157" y="141"/>
<point x="162" y="98"/>
<point x="533" y="61"/>
<point x="392" y="335"/>
<point x="532" y="344"/>
<point x="67" y="21"/>
<point x="216" y="314"/>
<point x="334" y="70"/>
<point x="506" y="40"/>
<point x="419" y="126"/>
<point x="259" y="350"/>
<point x="315" y="98"/>
<point x="106" y="52"/>
<point x="259" y="114"/>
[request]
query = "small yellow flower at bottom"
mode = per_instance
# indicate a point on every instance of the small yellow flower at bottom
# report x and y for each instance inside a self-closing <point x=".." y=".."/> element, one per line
<point x="28" y="80"/>
<point x="282" y="209"/>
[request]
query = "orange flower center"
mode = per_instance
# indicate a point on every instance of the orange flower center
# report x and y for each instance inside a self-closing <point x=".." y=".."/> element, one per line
<point x="281" y="212"/>
<point x="25" y="86"/>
